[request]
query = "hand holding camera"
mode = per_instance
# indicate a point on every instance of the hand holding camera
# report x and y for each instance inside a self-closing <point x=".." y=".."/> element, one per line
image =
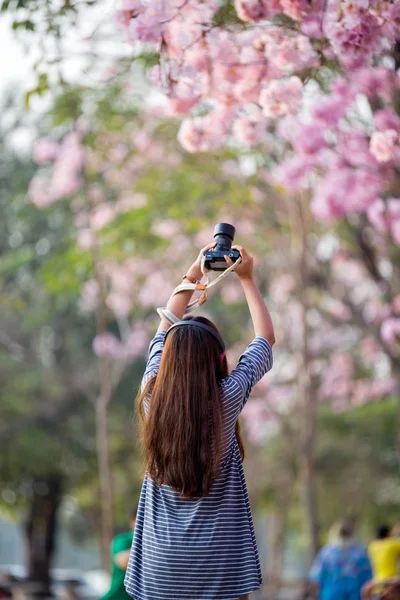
<point x="215" y="256"/>
<point x="245" y="269"/>
<point x="220" y="255"/>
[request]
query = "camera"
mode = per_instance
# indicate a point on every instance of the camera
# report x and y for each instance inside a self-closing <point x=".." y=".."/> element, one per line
<point x="214" y="258"/>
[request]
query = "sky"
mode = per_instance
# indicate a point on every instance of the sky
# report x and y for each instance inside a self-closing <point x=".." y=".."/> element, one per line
<point x="21" y="51"/>
<point x="16" y="66"/>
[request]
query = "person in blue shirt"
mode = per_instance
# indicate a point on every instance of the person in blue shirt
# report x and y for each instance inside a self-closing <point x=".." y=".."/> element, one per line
<point x="342" y="567"/>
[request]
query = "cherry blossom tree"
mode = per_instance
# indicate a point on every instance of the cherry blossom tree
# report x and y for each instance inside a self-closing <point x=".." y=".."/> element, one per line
<point x="310" y="91"/>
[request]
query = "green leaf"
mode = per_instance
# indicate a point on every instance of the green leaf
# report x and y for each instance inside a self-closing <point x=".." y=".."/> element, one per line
<point x="10" y="262"/>
<point x="26" y="24"/>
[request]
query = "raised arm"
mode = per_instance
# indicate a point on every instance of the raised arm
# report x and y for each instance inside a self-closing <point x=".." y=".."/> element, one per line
<point x="178" y="304"/>
<point x="259" y="313"/>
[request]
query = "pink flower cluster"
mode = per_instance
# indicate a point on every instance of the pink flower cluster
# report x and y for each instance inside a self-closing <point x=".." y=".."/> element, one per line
<point x="281" y="98"/>
<point x="385" y="217"/>
<point x="108" y="345"/>
<point x="348" y="170"/>
<point x="384" y="145"/>
<point x="65" y="177"/>
<point x="204" y="62"/>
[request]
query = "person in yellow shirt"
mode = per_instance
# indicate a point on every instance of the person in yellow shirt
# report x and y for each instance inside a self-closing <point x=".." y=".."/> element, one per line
<point x="384" y="554"/>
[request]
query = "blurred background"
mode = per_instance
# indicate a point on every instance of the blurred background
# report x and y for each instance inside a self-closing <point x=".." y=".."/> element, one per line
<point x="102" y="212"/>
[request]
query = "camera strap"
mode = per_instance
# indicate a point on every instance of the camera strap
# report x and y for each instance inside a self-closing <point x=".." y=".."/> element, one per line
<point x="196" y="287"/>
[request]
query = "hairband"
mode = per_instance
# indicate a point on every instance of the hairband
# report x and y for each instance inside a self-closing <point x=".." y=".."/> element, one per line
<point x="199" y="325"/>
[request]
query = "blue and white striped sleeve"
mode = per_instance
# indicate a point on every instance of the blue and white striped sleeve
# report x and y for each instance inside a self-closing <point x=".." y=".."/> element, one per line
<point x="253" y="364"/>
<point x="155" y="352"/>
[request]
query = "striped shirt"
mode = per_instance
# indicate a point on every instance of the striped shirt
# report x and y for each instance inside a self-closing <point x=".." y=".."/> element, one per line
<point x="201" y="549"/>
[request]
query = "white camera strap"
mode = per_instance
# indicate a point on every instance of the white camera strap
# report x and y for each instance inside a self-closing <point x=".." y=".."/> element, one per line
<point x="198" y="286"/>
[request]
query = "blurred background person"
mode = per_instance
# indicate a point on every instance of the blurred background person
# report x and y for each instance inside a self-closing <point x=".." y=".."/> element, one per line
<point x="342" y="566"/>
<point x="384" y="553"/>
<point x="120" y="550"/>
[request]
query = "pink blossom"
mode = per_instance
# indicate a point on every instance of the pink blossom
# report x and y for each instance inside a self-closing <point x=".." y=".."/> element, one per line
<point x="107" y="345"/>
<point x="64" y="183"/>
<point x="90" y="296"/>
<point x="150" y="22"/>
<point x="204" y="237"/>
<point x="354" y="9"/>
<point x="382" y="145"/>
<point x="396" y="231"/>
<point x="344" y="191"/>
<point x="370" y="350"/>
<point x="294" y="54"/>
<point x="288" y="128"/>
<point x="136" y="342"/>
<point x="353" y="148"/>
<point x="179" y="244"/>
<point x="85" y="239"/>
<point x="390" y="12"/>
<point x="202" y="134"/>
<point x="387" y="119"/>
<point x="396" y="305"/>
<point x="282" y="97"/>
<point x="40" y="193"/>
<point x="312" y="27"/>
<point x="129" y="9"/>
<point x="231" y="292"/>
<point x="71" y="153"/>
<point x="364" y="391"/>
<point x="129" y="202"/>
<point x="95" y="194"/>
<point x="390" y="330"/>
<point x="374" y="82"/>
<point x="101" y="216"/>
<point x="375" y="311"/>
<point x="330" y="109"/>
<point x="119" y="303"/>
<point x="295" y="9"/>
<point x="338" y="309"/>
<point x="294" y="172"/>
<point x="337" y="378"/>
<point x="354" y="40"/>
<point x="258" y="420"/>
<point x="142" y="140"/>
<point x="45" y="150"/>
<point x="155" y="290"/>
<point x="310" y="139"/>
<point x="252" y="10"/>
<point x="249" y="130"/>
<point x="167" y="228"/>
<point x="65" y="179"/>
<point x="122" y="278"/>
<point x="351" y="272"/>
<point x="385" y="216"/>
<point x="281" y="288"/>
<point x="376" y="216"/>
<point x="118" y="153"/>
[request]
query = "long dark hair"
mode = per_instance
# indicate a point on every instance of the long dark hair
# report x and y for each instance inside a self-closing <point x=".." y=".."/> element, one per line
<point x="182" y="432"/>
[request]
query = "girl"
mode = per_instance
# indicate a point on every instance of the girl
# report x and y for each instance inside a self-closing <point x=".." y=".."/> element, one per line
<point x="194" y="537"/>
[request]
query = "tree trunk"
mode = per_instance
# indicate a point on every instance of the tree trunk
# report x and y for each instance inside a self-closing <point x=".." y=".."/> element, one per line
<point x="105" y="479"/>
<point x="278" y="544"/>
<point x="308" y="394"/>
<point x="309" y="499"/>
<point x="40" y="530"/>
<point x="101" y="407"/>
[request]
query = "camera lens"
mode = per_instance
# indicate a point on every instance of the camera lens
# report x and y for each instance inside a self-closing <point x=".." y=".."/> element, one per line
<point x="223" y="235"/>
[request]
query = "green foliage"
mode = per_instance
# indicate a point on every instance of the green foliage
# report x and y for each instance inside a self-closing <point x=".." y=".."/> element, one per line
<point x="356" y="468"/>
<point x="358" y="464"/>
